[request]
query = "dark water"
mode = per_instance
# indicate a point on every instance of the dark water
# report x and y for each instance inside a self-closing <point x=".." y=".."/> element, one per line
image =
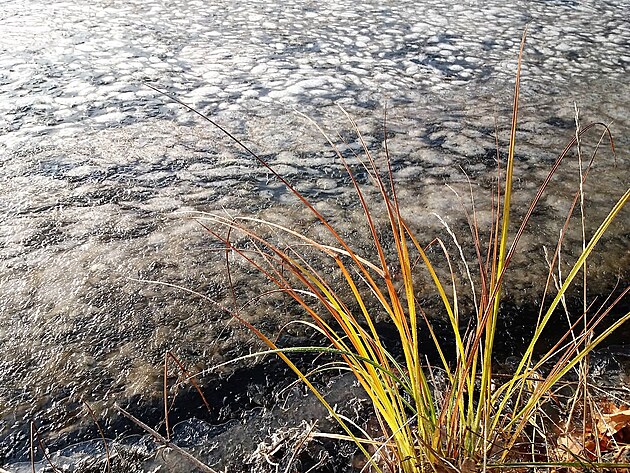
<point x="96" y="170"/>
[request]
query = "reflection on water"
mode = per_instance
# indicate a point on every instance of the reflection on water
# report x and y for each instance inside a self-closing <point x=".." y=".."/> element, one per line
<point x="96" y="168"/>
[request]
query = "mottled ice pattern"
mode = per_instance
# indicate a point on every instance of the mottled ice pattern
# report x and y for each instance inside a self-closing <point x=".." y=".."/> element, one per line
<point x="68" y="66"/>
<point x="95" y="166"/>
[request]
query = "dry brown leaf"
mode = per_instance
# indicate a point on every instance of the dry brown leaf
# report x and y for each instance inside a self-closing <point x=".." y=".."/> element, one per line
<point x="469" y="466"/>
<point x="623" y="455"/>
<point x="611" y="423"/>
<point x="614" y="422"/>
<point x="571" y="444"/>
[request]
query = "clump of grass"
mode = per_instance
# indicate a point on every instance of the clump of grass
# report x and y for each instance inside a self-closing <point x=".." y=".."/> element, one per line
<point x="476" y="419"/>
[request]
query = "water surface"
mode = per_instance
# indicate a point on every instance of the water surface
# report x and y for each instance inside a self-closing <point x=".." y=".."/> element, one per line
<point x="96" y="167"/>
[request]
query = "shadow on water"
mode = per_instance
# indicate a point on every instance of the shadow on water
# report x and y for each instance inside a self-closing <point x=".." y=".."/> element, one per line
<point x="253" y="405"/>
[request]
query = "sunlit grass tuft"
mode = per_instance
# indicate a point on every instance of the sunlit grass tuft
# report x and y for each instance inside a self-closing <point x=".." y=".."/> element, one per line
<point x="472" y="419"/>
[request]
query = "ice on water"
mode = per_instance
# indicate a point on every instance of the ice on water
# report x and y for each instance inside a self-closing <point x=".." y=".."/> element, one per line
<point x="93" y="163"/>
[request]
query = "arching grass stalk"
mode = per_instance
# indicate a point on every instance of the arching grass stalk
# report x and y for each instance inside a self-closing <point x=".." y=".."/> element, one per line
<point x="477" y="419"/>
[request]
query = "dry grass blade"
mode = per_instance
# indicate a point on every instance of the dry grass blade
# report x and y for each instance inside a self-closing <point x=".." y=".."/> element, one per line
<point x="165" y="442"/>
<point x="187" y="377"/>
<point x="42" y="447"/>
<point x="101" y="433"/>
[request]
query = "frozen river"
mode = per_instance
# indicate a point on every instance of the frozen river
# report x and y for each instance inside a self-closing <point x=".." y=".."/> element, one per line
<point x="94" y="165"/>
